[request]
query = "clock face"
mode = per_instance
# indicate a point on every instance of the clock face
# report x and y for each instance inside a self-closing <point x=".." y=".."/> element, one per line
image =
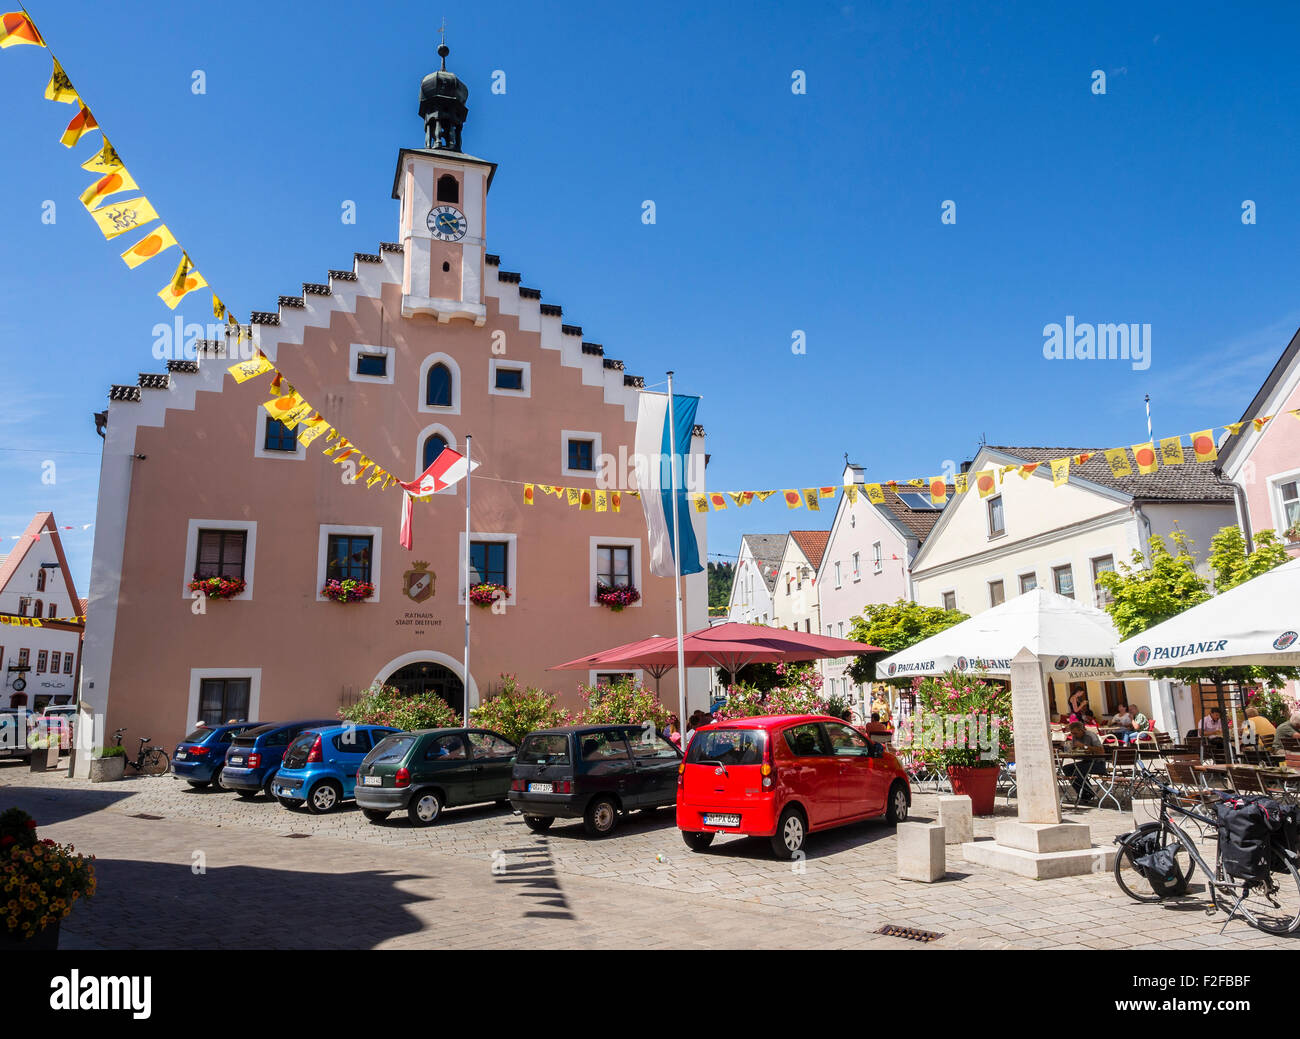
<point x="447" y="223"/>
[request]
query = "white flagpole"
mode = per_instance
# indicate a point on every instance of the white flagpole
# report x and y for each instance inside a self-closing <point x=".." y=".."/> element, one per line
<point x="468" y="477"/>
<point x="677" y="566"/>
<point x="1148" y="400"/>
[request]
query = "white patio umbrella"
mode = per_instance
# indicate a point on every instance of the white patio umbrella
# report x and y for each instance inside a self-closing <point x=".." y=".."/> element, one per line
<point x="1071" y="641"/>
<point x="1255" y="623"/>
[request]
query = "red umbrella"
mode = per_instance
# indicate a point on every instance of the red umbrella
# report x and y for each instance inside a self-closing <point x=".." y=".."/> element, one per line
<point x="726" y="646"/>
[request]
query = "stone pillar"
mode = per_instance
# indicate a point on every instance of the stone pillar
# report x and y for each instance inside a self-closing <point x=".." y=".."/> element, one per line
<point x="957" y="819"/>
<point x="921" y="852"/>
<point x="1037" y="800"/>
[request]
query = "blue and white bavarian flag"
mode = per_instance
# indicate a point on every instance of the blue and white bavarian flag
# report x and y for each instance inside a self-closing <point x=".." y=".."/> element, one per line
<point x="654" y="451"/>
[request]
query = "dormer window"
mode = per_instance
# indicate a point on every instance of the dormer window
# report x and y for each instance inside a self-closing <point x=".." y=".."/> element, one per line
<point x="448" y="189"/>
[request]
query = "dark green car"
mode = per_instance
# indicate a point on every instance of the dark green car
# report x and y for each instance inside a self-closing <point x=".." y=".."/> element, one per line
<point x="426" y="771"/>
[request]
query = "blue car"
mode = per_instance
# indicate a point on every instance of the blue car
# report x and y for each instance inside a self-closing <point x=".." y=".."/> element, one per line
<point x="320" y="766"/>
<point x="199" y="757"/>
<point x="254" y="756"/>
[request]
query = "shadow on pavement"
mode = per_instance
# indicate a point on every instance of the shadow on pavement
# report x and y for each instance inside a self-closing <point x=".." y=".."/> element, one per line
<point x="58" y="804"/>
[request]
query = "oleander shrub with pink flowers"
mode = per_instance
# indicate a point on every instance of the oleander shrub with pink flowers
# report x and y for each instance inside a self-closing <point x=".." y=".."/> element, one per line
<point x="798" y="691"/>
<point x="387" y="705"/>
<point x="616" y="597"/>
<point x="961" y="721"/>
<point x="218" y="587"/>
<point x="40" y="880"/>
<point x="623" y="702"/>
<point x="349" y="590"/>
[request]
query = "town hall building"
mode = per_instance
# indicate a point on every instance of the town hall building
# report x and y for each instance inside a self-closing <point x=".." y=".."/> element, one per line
<point x="407" y="351"/>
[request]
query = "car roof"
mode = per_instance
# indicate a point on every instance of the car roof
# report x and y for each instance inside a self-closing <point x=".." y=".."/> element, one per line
<point x="306" y="723"/>
<point x="581" y="729"/>
<point x="770" y="721"/>
<point x="391" y="730"/>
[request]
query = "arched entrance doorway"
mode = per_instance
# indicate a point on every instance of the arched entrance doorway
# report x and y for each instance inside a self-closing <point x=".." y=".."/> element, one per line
<point x="427" y="676"/>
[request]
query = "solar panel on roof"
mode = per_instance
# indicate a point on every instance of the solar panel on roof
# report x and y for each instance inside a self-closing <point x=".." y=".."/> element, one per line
<point x="920" y="502"/>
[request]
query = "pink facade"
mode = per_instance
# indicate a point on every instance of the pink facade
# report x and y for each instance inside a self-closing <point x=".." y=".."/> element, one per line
<point x="206" y="467"/>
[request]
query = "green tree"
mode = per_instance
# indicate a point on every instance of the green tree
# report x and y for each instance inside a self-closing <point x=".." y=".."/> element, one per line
<point x="893" y="627"/>
<point x="1150" y="590"/>
<point x="721" y="576"/>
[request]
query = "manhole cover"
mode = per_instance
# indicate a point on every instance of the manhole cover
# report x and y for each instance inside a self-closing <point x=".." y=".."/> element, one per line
<point x="914" y="934"/>
<point x="142" y="815"/>
<point x="297" y="834"/>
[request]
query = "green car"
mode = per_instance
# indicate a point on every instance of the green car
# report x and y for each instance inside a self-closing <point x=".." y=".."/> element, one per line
<point x="426" y="771"/>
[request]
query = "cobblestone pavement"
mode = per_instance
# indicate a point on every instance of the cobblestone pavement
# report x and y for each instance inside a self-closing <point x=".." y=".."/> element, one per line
<point x="480" y="878"/>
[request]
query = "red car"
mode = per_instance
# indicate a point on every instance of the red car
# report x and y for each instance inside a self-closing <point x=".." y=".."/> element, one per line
<point x="782" y="777"/>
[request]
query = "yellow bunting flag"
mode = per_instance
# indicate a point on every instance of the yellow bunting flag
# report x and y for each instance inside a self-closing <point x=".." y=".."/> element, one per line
<point x="528" y="494"/>
<point x="938" y="490"/>
<point x="1171" y="450"/>
<point x="616" y="501"/>
<point x="289" y="409"/>
<point x="986" y="482"/>
<point x="60" y="87"/>
<point x="1145" y="456"/>
<point x="106" y="160"/>
<point x="278" y="385"/>
<point x="892" y="485"/>
<point x="718" y="501"/>
<point x="245" y="370"/>
<point x="762" y="495"/>
<point x="584" y="502"/>
<point x="827" y="492"/>
<point x="158" y="240"/>
<point x="218" y="308"/>
<point x="1026" y="471"/>
<point x="875" y="494"/>
<point x="119" y="217"/>
<point x="1118" y="459"/>
<point x="1060" y="471"/>
<point x="1204" y="446"/>
<point x="379" y="474"/>
<point x="810" y="499"/>
<point x="574" y="496"/>
<point x="851" y="492"/>
<point x="342" y="444"/>
<point x="346" y="451"/>
<point x="739" y="497"/>
<point x="184" y="281"/>
<point x="17" y="28"/>
<point x="916" y="482"/>
<point x="1259" y="422"/>
<point x="1009" y="469"/>
<point x="602" y="501"/>
<point x="332" y="434"/>
<point x="792" y="499"/>
<point x="701" y="502"/>
<point x="960" y="483"/>
<point x="309" y="429"/>
<point x="109" y="184"/>
<point x="82" y="123"/>
<point x="1080" y="459"/>
<point x="1234" y="427"/>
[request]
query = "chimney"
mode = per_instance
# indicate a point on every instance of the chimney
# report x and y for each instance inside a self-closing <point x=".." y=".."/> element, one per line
<point x="965" y="466"/>
<point x="854" y="473"/>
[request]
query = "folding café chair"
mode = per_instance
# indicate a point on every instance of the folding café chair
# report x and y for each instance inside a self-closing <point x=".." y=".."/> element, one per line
<point x="1119" y="780"/>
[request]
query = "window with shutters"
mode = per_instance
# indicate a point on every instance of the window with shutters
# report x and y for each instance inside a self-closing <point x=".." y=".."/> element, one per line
<point x="220" y="553"/>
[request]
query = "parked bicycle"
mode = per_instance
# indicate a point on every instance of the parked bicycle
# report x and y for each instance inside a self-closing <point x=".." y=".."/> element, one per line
<point x="1157" y="860"/>
<point x="150" y="762"/>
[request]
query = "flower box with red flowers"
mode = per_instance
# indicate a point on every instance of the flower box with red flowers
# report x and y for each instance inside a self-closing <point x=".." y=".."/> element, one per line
<point x="617" y="597"/>
<point x="349" y="590"/>
<point x="218" y="587"/>
<point x="487" y="593"/>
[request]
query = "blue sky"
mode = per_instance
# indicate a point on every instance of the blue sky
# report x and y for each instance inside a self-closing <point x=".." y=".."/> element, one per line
<point x="775" y="212"/>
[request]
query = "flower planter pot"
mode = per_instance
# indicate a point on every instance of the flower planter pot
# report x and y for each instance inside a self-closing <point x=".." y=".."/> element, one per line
<point x="107" y="770"/>
<point x="43" y="940"/>
<point x="979" y="784"/>
<point x="45" y="758"/>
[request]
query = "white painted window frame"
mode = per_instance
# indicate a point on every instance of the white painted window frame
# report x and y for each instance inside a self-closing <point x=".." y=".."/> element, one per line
<point x="376" y="558"/>
<point x="298" y="453"/>
<point x="456" y="383"/>
<point x="596" y="451"/>
<point x="192" y="547"/>
<point x="504" y="362"/>
<point x="355" y="350"/>
<point x="512" y="564"/>
<point x="634" y="571"/>
<point x="197" y="674"/>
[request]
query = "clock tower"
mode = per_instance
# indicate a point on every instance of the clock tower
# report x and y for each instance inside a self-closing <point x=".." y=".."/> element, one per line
<point x="443" y="222"/>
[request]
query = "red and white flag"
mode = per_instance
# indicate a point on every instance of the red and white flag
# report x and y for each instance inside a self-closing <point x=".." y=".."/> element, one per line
<point x="448" y="468"/>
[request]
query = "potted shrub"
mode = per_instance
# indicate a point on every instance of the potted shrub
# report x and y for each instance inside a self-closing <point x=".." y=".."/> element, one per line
<point x="515" y="712"/>
<point x="44" y="748"/>
<point x="1292" y="535"/>
<point x="217" y="587"/>
<point x="486" y="593"/>
<point x="616" y="597"/>
<point x="349" y="590"/>
<point x="108" y="765"/>
<point x="963" y="727"/>
<point x="387" y="705"/>
<point x="40" y="881"/>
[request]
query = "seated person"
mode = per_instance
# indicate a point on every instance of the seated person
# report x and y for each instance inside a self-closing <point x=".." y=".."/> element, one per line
<point x="1290" y="727"/>
<point x="876" y="726"/>
<point x="1257" y="725"/>
<point x="1211" y="724"/>
<point x="1086" y="718"/>
<point x="1082" y="736"/>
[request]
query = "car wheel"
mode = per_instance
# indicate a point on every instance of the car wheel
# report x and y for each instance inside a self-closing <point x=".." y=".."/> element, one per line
<point x="289" y="802"/>
<point x="425" y="807"/>
<point x="897" y="811"/>
<point x="199" y="784"/>
<point x="697" y="841"/>
<point x="217" y="784"/>
<point x="324" y="797"/>
<point x="601" y="817"/>
<point x="538" y="823"/>
<point x="787" y="842"/>
<point x="375" y="815"/>
<point x="266" y="787"/>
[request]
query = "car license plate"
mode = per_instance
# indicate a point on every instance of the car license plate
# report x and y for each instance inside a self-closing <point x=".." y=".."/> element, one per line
<point x="180" y="755"/>
<point x="713" y="819"/>
<point x="541" y="788"/>
<point x="236" y="761"/>
<point x="372" y="780"/>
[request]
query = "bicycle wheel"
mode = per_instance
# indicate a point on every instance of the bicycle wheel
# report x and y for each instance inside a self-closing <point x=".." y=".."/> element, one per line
<point x="1271" y="905"/>
<point x="1136" y="882"/>
<point x="155" y="762"/>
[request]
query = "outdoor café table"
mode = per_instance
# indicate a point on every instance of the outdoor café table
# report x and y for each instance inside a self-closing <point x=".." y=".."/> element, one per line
<point x="1080" y="753"/>
<point x="1276" y="776"/>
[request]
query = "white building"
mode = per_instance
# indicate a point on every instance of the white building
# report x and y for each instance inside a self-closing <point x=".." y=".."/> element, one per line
<point x="754" y="579"/>
<point x="40" y="664"/>
<point x="1028" y="533"/>
<point x="795" y="599"/>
